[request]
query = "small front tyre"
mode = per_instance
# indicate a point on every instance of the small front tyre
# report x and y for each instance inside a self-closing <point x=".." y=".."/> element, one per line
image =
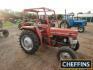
<point x="66" y="53"/>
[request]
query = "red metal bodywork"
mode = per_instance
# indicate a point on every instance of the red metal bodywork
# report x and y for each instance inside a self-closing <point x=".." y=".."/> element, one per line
<point x="44" y="30"/>
<point x="63" y="32"/>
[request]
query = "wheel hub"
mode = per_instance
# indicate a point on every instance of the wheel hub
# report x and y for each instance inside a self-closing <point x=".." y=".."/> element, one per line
<point x="27" y="43"/>
<point x="65" y="55"/>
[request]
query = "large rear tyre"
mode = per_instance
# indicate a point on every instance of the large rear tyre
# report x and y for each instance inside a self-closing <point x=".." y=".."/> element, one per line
<point x="29" y="41"/>
<point x="81" y="29"/>
<point x="66" y="53"/>
<point x="63" y="24"/>
<point x="5" y="33"/>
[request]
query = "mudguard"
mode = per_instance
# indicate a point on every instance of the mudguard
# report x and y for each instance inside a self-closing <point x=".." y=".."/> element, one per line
<point x="35" y="30"/>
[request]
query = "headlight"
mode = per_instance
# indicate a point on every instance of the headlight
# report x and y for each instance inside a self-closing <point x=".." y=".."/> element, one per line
<point x="65" y="40"/>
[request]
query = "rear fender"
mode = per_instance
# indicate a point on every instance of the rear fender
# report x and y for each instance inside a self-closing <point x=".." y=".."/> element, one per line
<point x="35" y="30"/>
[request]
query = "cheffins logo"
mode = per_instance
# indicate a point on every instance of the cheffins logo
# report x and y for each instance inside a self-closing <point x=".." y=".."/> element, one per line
<point x="76" y="64"/>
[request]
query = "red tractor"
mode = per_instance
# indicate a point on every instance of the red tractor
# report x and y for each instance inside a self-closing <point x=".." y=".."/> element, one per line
<point x="42" y="34"/>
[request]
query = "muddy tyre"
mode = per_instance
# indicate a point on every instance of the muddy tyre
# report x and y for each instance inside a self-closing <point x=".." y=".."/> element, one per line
<point x="5" y="33"/>
<point x="29" y="41"/>
<point x="66" y="53"/>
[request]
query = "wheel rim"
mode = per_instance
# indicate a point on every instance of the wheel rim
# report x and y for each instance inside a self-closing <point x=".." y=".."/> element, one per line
<point x="65" y="55"/>
<point x="27" y="43"/>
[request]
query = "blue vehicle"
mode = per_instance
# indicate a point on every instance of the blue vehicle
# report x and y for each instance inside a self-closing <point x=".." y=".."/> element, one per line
<point x="69" y="21"/>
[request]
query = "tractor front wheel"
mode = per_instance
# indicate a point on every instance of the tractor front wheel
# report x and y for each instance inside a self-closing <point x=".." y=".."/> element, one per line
<point x="66" y="53"/>
<point x="29" y="41"/>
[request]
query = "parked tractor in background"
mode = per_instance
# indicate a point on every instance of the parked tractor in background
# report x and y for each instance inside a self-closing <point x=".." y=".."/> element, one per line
<point x="42" y="34"/>
<point x="69" y="21"/>
<point x="3" y="32"/>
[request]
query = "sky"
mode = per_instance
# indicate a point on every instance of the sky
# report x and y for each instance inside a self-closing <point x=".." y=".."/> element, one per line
<point x="58" y="5"/>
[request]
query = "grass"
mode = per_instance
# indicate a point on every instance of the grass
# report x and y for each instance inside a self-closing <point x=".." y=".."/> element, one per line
<point x="8" y="24"/>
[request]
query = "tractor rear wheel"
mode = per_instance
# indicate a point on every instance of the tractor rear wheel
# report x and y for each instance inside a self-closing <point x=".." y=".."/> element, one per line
<point x="66" y="53"/>
<point x="63" y="24"/>
<point x="5" y="33"/>
<point x="29" y="41"/>
<point x="81" y="29"/>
